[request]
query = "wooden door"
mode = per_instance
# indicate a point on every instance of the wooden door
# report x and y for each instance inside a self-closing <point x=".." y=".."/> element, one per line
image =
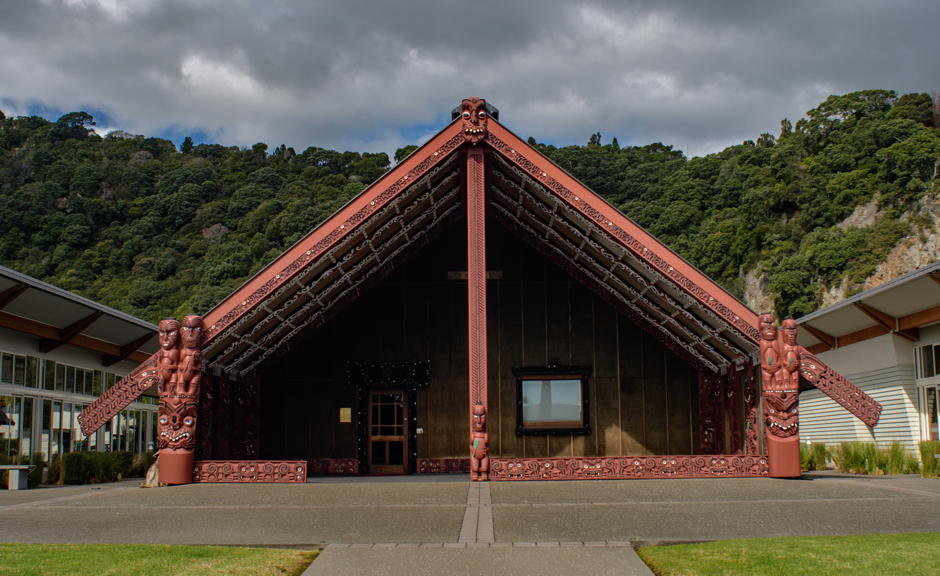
<point x="388" y="432"/>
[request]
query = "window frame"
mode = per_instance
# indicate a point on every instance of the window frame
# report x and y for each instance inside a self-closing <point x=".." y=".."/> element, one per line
<point x="551" y="372"/>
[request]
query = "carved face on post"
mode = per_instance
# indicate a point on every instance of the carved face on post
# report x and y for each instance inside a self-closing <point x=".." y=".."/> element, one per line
<point x="781" y="412"/>
<point x="789" y="331"/>
<point x="767" y="327"/>
<point x="177" y="425"/>
<point x="474" y="116"/>
<point x="169" y="330"/>
<point x="192" y="331"/>
<point x="479" y="418"/>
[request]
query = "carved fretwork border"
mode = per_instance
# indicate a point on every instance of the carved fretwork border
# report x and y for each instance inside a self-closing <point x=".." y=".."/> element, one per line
<point x="119" y="396"/>
<point x="250" y="471"/>
<point x="835" y="386"/>
<point x="622" y="236"/>
<point x="443" y="465"/>
<point x="629" y="467"/>
<point x="339" y="466"/>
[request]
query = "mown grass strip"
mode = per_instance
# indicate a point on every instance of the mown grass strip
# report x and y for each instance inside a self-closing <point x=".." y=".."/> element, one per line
<point x="895" y="554"/>
<point x="149" y="560"/>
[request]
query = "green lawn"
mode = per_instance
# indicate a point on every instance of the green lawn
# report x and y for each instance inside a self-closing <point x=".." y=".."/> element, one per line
<point x="149" y="560"/>
<point x="894" y="554"/>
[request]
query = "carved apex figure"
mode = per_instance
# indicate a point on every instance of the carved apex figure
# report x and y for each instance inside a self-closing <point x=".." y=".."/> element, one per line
<point x="190" y="371"/>
<point x="169" y="356"/>
<point x="769" y="348"/>
<point x="473" y="112"/>
<point x="179" y="368"/>
<point x="479" y="445"/>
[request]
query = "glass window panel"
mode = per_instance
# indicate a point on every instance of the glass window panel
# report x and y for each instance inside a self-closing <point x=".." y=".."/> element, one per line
<point x="48" y="375"/>
<point x="6" y="367"/>
<point x="936" y="358"/>
<point x="19" y="369"/>
<point x="70" y="379"/>
<point x="8" y="425"/>
<point x="32" y="371"/>
<point x="927" y="361"/>
<point x="26" y="426"/>
<point x="59" y="377"/>
<point x="551" y="401"/>
<point x="96" y="383"/>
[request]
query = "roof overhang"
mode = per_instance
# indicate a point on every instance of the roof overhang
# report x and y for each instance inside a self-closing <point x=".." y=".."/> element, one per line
<point x="58" y="318"/>
<point x="900" y="307"/>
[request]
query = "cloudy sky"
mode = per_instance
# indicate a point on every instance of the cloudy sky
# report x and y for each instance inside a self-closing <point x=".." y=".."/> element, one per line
<point x="376" y="75"/>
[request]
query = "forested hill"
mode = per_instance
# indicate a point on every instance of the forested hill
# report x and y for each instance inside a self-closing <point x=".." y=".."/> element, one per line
<point x="153" y="230"/>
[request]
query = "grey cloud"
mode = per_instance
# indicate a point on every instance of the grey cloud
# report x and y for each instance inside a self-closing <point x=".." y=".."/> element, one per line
<point x="360" y="75"/>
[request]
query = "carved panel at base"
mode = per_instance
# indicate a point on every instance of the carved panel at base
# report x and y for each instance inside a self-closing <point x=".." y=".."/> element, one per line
<point x="835" y="386"/>
<point x="322" y="466"/>
<point x="274" y="471"/>
<point x="628" y="467"/>
<point x="443" y="465"/>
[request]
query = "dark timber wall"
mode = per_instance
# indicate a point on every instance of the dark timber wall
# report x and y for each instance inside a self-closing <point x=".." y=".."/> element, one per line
<point x="642" y="397"/>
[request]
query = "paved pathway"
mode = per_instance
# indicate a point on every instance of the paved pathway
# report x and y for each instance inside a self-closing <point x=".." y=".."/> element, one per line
<point x="445" y="525"/>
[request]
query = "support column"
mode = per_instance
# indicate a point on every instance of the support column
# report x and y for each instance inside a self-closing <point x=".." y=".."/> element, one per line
<point x="179" y="370"/>
<point x="476" y="310"/>
<point x="780" y="390"/>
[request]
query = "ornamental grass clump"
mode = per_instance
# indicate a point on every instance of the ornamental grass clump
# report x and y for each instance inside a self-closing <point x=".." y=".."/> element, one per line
<point x="814" y="457"/>
<point x="868" y="458"/>
<point x="929" y="450"/>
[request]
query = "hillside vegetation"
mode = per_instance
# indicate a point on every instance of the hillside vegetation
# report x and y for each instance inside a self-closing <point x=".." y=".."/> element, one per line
<point x="142" y="226"/>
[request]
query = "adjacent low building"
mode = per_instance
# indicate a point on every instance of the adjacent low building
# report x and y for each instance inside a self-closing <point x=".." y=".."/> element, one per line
<point x="58" y="352"/>
<point x="886" y="340"/>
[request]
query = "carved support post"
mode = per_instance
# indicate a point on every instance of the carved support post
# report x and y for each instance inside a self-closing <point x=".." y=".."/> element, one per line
<point x="751" y="412"/>
<point x="180" y="378"/>
<point x="780" y="390"/>
<point x="476" y="304"/>
<point x="709" y="413"/>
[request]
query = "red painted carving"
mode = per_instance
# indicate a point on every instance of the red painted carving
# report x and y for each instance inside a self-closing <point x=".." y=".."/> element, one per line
<point x="476" y="312"/>
<point x="781" y="393"/>
<point x="119" y="396"/>
<point x="709" y="406"/>
<point x="247" y="426"/>
<point x="628" y="467"/>
<point x="474" y="117"/>
<point x="443" y="465"/>
<point x="180" y="375"/>
<point x="834" y="385"/>
<point x="479" y="445"/>
<point x="239" y="471"/>
<point x="751" y="412"/>
<point x="327" y="466"/>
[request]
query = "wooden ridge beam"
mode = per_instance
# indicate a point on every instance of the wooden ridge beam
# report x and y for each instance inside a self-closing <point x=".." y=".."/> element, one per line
<point x="71" y="331"/>
<point x="126" y="350"/>
<point x="935" y="276"/>
<point x="11" y="294"/>
<point x="887" y="321"/>
<point x="826" y="339"/>
<point x="918" y="319"/>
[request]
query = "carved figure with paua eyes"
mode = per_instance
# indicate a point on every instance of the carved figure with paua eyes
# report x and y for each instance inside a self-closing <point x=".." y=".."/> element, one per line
<point x="479" y="445"/>
<point x="169" y="355"/>
<point x="177" y="426"/>
<point x="190" y="372"/>
<point x="474" y="116"/>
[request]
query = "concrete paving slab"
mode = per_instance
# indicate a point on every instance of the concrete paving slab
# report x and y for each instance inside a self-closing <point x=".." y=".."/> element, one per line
<point x="476" y="562"/>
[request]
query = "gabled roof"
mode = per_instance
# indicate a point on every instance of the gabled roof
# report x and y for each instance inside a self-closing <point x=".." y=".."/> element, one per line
<point x="58" y="317"/>
<point x="900" y="307"/>
<point x="547" y="207"/>
<point x="403" y="210"/>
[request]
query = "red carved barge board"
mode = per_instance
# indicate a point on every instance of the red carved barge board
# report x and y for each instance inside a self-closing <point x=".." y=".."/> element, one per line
<point x="250" y="471"/>
<point x="629" y="467"/>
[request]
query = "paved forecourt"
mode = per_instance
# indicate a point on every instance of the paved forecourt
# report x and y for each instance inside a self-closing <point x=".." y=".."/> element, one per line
<point x="445" y="525"/>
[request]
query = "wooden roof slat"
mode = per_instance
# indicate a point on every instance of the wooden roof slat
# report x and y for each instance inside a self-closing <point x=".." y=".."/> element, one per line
<point x="11" y="294"/>
<point x="69" y="332"/>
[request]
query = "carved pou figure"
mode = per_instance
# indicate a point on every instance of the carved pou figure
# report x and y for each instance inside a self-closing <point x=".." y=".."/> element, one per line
<point x="169" y="356"/>
<point x="181" y="375"/>
<point x="475" y="117"/>
<point x="479" y="445"/>
<point x="780" y="385"/>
